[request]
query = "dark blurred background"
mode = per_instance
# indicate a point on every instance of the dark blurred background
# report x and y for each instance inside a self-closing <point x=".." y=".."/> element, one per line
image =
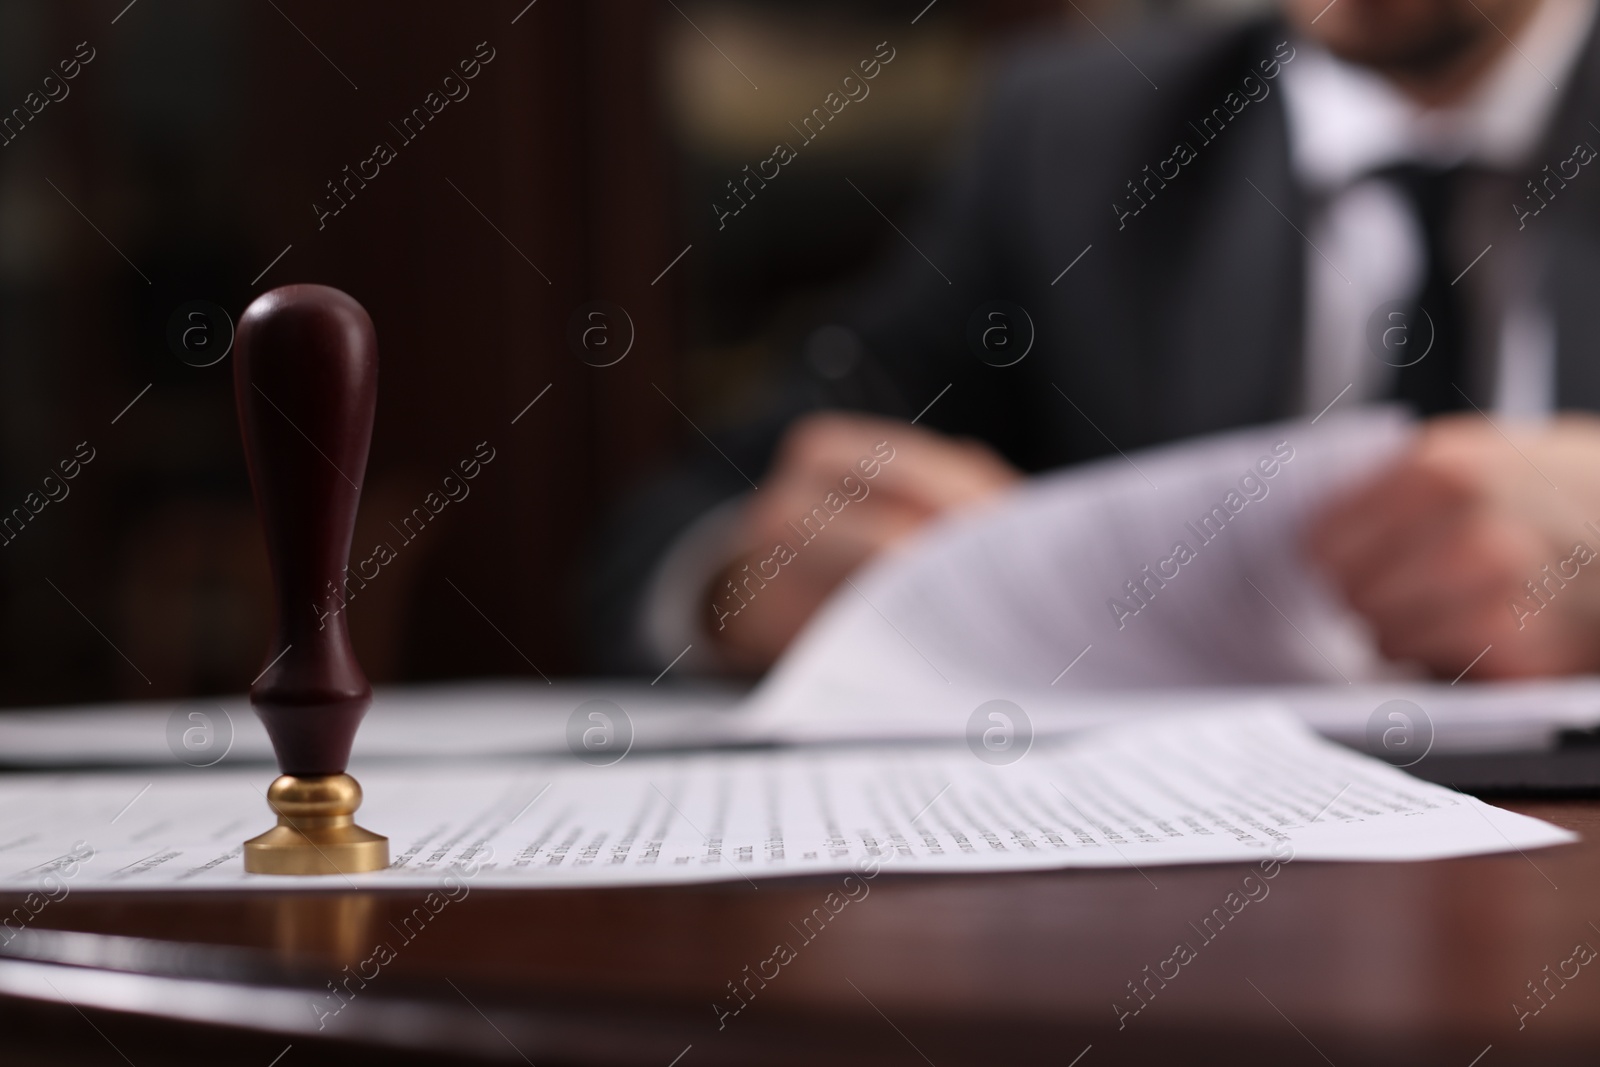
<point x="184" y="158"/>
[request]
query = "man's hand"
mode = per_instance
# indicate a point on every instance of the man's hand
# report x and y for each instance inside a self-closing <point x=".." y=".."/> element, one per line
<point x="1465" y="542"/>
<point x="843" y="488"/>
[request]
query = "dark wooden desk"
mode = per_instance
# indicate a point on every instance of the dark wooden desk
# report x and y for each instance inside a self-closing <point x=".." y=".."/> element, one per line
<point x="1418" y="963"/>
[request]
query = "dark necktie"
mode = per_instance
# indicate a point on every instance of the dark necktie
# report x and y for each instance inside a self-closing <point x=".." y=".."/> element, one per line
<point x="1429" y="382"/>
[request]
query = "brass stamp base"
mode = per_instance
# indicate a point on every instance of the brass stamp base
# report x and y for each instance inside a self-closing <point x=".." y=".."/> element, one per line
<point x="316" y="831"/>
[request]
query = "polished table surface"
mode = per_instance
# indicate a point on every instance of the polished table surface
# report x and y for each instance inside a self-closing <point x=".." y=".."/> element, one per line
<point x="1408" y="963"/>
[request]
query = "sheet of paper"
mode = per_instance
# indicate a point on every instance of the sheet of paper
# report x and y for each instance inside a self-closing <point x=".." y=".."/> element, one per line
<point x="1183" y="789"/>
<point x="1177" y="566"/>
<point x="459" y="720"/>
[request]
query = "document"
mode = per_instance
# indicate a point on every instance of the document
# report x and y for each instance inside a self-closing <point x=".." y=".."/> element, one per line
<point x="1176" y="566"/>
<point x="1211" y="787"/>
<point x="457" y="720"/>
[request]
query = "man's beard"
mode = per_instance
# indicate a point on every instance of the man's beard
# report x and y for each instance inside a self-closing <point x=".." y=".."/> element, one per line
<point x="1442" y="48"/>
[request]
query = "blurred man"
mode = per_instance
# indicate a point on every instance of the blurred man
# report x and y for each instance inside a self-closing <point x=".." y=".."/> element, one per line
<point x="1196" y="230"/>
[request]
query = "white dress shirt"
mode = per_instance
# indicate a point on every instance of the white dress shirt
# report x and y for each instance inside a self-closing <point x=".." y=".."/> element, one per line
<point x="1365" y="245"/>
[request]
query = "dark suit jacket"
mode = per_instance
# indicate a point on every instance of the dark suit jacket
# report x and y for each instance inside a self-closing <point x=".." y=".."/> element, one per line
<point x="1183" y="319"/>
